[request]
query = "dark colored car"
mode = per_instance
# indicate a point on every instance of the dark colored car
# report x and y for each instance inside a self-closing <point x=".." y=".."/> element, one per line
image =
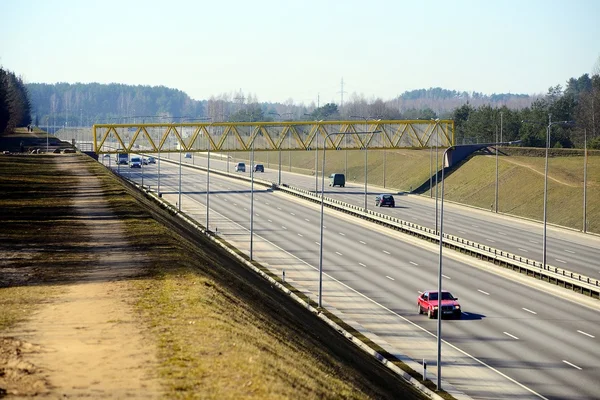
<point x="259" y="168"/>
<point x="385" y="200"/>
<point x="151" y="160"/>
<point x="427" y="302"/>
<point x="337" y="180"/>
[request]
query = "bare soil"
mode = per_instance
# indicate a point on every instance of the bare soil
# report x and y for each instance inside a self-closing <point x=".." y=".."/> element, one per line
<point x="84" y="342"/>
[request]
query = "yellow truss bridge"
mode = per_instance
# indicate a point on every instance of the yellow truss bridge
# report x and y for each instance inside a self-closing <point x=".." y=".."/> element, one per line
<point x="272" y="136"/>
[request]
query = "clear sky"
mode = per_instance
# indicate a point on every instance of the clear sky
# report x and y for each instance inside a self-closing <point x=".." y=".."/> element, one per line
<point x="280" y="50"/>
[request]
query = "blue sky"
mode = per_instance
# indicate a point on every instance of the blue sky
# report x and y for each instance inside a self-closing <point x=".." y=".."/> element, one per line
<point x="297" y="50"/>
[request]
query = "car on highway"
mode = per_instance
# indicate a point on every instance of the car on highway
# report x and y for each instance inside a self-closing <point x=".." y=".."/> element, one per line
<point x="385" y="200"/>
<point x="151" y="160"/>
<point x="240" y="167"/>
<point x="135" y="162"/>
<point x="188" y="155"/>
<point x="337" y="180"/>
<point x="428" y="303"/>
<point x="144" y="160"/>
<point x="259" y="168"/>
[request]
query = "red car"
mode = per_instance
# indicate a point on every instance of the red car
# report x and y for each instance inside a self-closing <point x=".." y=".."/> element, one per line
<point x="428" y="302"/>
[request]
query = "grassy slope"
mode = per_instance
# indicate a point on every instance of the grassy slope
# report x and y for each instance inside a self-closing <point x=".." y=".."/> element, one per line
<point x="521" y="178"/>
<point x="222" y="332"/>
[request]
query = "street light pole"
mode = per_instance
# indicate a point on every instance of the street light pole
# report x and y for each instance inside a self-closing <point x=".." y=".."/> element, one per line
<point x="548" y="129"/>
<point x="440" y="269"/>
<point x="180" y="149"/>
<point x="366" y="154"/>
<point x="496" y="194"/>
<point x="585" y="180"/>
<point x="251" y="199"/>
<point x="322" y="211"/>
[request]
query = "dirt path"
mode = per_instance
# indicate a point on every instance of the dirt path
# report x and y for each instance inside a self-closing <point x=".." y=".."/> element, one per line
<point x="87" y="343"/>
<point x="508" y="159"/>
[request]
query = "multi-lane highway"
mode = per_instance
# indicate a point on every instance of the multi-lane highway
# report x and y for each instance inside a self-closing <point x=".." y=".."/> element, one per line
<point x="514" y="341"/>
<point x="574" y="251"/>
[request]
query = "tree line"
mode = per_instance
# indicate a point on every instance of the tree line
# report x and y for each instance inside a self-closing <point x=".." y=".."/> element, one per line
<point x="15" y="108"/>
<point x="478" y="118"/>
<point x="578" y="103"/>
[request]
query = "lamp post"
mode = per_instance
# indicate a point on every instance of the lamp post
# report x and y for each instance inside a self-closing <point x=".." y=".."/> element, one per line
<point x="322" y="209"/>
<point x="279" y="176"/>
<point x="251" y="199"/>
<point x="366" y="152"/>
<point x="208" y="145"/>
<point x="585" y="180"/>
<point x="548" y="128"/>
<point x="435" y="129"/>
<point x="441" y="244"/>
<point x="316" y="156"/>
<point x="180" y="150"/>
<point x="496" y="191"/>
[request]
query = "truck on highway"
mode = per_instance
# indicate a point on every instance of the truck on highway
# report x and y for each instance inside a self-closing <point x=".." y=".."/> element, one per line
<point x="122" y="158"/>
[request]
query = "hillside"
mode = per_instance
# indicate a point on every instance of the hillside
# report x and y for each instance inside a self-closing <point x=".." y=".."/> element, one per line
<point x="521" y="180"/>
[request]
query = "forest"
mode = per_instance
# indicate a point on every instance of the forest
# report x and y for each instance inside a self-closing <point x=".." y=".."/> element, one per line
<point x="15" y="107"/>
<point x="478" y="117"/>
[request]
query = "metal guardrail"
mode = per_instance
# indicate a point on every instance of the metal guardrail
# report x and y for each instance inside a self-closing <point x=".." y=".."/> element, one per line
<point x="558" y="276"/>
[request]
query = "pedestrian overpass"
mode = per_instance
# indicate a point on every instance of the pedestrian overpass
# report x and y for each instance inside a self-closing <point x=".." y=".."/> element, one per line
<point x="373" y="134"/>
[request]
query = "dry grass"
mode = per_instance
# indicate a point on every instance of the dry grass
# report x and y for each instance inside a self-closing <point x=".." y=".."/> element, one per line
<point x="521" y="183"/>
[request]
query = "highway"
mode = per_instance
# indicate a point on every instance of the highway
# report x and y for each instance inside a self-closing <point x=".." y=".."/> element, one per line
<point x="571" y="250"/>
<point x="514" y="341"/>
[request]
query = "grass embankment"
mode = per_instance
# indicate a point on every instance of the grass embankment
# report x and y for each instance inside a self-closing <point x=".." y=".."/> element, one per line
<point x="34" y="214"/>
<point x="521" y="179"/>
<point x="222" y="332"/>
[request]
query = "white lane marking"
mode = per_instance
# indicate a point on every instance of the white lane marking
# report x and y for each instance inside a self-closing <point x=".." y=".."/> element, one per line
<point x="257" y="214"/>
<point x="362" y="242"/>
<point x="307" y="220"/>
<point x="502" y="233"/>
<point x="491" y="240"/>
<point x="300" y="235"/>
<point x="526" y="251"/>
<point x="269" y="220"/>
<point x="475" y="226"/>
<point x="362" y="265"/>
<point x="586" y="334"/>
<point x="533" y="241"/>
<point x="414" y="263"/>
<point x="570" y="251"/>
<point x="418" y="291"/>
<point x="390" y="278"/>
<point x="424" y="330"/>
<point x="317" y="243"/>
<point x="512" y="336"/>
<point x="529" y="311"/>
<point x="342" y="233"/>
<point x="461" y="232"/>
<point x="293" y="214"/>
<point x="386" y="252"/>
<point x="572" y="365"/>
<point x="447" y="277"/>
<point x="481" y="291"/>
<point x="245" y="209"/>
<point x="338" y="253"/>
<point x="284" y="227"/>
<point x="561" y="261"/>
<point x="279" y="208"/>
<point x="267" y="204"/>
